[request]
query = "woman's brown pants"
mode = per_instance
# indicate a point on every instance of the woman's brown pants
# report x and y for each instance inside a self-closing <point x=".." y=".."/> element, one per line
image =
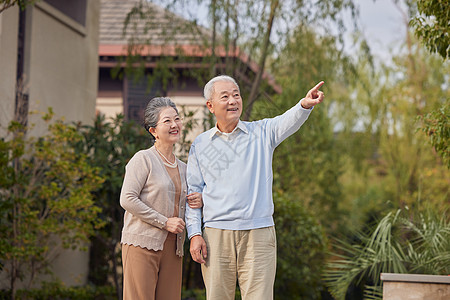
<point x="152" y="275"/>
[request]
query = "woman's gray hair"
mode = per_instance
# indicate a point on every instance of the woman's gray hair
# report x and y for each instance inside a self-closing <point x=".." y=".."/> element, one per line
<point x="153" y="109"/>
<point x="209" y="87"/>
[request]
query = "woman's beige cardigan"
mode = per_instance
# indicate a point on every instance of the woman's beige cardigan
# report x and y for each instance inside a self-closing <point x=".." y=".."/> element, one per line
<point x="148" y="199"/>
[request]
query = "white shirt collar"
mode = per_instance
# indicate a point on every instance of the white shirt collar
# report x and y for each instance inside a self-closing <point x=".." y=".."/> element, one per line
<point x="216" y="131"/>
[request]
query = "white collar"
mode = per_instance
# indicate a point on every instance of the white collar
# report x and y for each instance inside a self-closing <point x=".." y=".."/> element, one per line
<point x="216" y="130"/>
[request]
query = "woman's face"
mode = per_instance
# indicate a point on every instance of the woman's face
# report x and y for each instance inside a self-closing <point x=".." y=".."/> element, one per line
<point x="168" y="128"/>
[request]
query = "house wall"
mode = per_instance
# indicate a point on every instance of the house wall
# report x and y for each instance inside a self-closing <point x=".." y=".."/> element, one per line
<point x="62" y="63"/>
<point x="8" y="61"/>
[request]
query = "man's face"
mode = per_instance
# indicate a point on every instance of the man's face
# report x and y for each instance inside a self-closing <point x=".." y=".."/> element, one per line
<point x="226" y="103"/>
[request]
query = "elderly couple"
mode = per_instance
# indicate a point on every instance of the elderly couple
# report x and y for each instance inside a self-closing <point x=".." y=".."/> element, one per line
<point x="227" y="185"/>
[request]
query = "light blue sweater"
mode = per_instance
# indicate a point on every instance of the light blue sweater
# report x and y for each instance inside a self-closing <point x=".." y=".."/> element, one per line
<point x="234" y="172"/>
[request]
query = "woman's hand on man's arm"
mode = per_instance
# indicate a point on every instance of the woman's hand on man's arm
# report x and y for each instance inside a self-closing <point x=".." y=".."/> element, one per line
<point x="195" y="200"/>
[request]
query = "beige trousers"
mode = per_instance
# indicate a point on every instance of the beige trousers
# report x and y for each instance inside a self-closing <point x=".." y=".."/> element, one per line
<point x="152" y="275"/>
<point x="248" y="256"/>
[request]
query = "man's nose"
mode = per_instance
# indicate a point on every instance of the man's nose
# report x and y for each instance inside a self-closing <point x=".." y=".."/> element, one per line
<point x="232" y="100"/>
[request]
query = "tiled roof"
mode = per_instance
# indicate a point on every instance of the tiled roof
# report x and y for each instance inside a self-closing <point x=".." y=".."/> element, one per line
<point x="162" y="28"/>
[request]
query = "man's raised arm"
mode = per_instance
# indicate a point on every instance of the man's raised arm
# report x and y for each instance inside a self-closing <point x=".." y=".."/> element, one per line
<point x="282" y="126"/>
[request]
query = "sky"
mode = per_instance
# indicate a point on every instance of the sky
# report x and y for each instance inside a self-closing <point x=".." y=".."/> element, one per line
<point x="382" y="25"/>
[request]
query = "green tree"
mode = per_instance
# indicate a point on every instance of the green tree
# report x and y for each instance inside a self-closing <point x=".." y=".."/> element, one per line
<point x="389" y="163"/>
<point x="302" y="245"/>
<point x="406" y="156"/>
<point x="432" y="26"/>
<point x="390" y="166"/>
<point x="436" y="126"/>
<point x="46" y="200"/>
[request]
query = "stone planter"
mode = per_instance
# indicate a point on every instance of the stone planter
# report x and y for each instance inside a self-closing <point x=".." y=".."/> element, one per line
<point x="415" y="287"/>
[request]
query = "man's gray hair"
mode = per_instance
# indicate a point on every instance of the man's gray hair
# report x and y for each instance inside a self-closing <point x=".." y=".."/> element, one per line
<point x="209" y="87"/>
<point x="153" y="109"/>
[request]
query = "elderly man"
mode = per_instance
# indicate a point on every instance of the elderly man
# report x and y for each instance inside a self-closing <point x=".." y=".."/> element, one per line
<point x="231" y="164"/>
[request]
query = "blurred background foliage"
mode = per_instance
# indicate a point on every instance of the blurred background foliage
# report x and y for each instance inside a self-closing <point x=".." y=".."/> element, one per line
<point x="363" y="185"/>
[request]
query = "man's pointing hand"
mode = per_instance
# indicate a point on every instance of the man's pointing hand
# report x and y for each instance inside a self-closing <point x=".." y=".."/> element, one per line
<point x="313" y="97"/>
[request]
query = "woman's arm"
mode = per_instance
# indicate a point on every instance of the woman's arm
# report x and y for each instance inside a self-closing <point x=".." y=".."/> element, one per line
<point x="136" y="173"/>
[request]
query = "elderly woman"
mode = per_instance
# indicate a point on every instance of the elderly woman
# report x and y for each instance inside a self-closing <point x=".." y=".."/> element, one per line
<point x="154" y="196"/>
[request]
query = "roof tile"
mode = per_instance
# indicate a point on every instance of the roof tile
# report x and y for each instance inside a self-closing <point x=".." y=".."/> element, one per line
<point x="162" y="27"/>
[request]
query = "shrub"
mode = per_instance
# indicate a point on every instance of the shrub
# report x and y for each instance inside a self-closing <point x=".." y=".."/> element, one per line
<point x="302" y="244"/>
<point x="46" y="200"/>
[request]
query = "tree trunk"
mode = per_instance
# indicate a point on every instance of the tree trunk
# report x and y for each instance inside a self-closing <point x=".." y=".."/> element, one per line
<point x="266" y="43"/>
<point x="21" y="103"/>
<point x="20" y="116"/>
<point x="213" y="42"/>
<point x="227" y="37"/>
<point x="235" y="65"/>
<point x="14" y="260"/>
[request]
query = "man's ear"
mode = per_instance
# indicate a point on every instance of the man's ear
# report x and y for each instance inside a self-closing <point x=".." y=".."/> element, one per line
<point x="209" y="105"/>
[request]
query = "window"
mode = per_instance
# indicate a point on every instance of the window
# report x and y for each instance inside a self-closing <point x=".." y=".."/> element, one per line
<point x="74" y="9"/>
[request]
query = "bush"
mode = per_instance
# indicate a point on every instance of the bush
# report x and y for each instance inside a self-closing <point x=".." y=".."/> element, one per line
<point x="45" y="198"/>
<point x="302" y="244"/>
<point x="57" y="291"/>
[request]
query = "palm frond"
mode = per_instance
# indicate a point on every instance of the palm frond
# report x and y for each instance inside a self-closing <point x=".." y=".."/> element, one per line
<point x="398" y="244"/>
<point x="373" y="293"/>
